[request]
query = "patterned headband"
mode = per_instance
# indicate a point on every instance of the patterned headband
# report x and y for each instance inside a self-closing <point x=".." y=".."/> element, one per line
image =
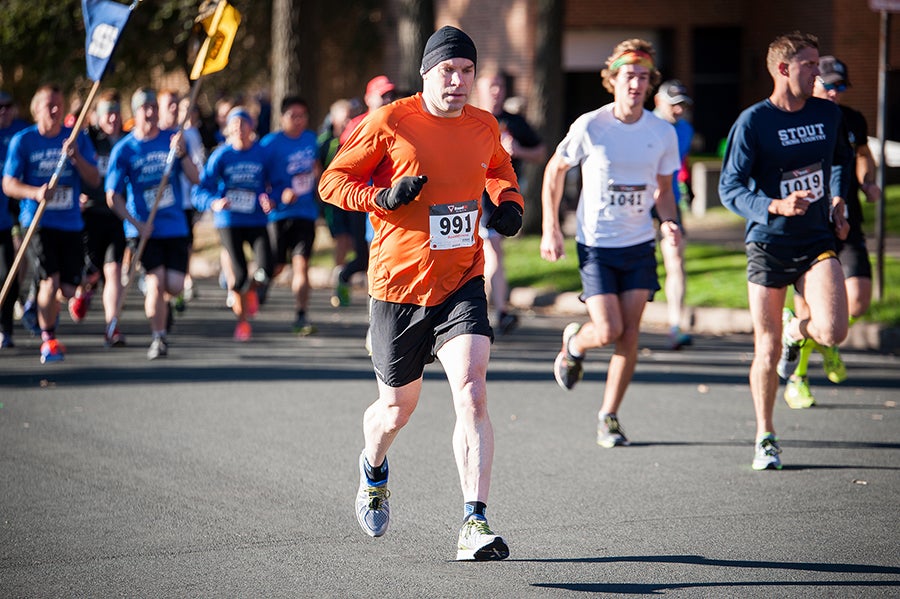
<point x="637" y="57"/>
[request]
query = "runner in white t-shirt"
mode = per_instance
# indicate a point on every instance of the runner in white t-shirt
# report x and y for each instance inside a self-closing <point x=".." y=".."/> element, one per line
<point x="627" y="156"/>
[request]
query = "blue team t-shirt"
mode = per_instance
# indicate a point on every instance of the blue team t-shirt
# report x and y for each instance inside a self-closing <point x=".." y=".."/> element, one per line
<point x="239" y="175"/>
<point x="135" y="171"/>
<point x="6" y="135"/>
<point x="771" y="153"/>
<point x="32" y="159"/>
<point x="292" y="165"/>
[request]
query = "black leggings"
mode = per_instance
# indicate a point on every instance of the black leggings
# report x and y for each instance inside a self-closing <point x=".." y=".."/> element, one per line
<point x="7" y="255"/>
<point x="233" y="240"/>
<point x="360" y="261"/>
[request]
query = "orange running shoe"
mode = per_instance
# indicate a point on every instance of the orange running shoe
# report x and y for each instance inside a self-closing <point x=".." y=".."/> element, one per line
<point x="243" y="332"/>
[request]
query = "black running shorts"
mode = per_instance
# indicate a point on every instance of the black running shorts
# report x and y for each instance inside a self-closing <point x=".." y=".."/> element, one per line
<point x="855" y="258"/>
<point x="406" y="337"/>
<point x="779" y="266"/>
<point x="53" y="251"/>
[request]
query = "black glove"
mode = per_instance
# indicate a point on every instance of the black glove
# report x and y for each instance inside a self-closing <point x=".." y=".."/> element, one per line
<point x="506" y="219"/>
<point x="403" y="192"/>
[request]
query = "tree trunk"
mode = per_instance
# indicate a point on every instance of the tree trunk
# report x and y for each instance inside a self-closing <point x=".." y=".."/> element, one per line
<point x="415" y="24"/>
<point x="545" y="107"/>
<point x="294" y="53"/>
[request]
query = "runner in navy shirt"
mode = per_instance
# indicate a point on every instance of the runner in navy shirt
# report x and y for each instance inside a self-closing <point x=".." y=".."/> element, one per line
<point x="779" y="174"/>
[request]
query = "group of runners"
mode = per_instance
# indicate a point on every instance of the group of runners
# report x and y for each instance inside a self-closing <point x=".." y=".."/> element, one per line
<point x="137" y="194"/>
<point x="424" y="167"/>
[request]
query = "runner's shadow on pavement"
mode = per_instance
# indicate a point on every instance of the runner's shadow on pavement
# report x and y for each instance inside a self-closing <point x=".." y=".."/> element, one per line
<point x="802" y="467"/>
<point x="661" y="588"/>
<point x="168" y="372"/>
<point x="699" y="560"/>
<point x="792" y="444"/>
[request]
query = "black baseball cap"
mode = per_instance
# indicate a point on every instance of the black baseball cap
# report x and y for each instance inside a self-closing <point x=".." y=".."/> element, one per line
<point x="832" y="71"/>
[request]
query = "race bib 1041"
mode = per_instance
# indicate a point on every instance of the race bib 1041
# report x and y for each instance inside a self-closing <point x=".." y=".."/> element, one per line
<point x="627" y="199"/>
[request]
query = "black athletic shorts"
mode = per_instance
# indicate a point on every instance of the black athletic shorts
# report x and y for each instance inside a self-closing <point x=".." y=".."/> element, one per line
<point x="291" y="237"/>
<point x="171" y="253"/>
<point x="104" y="239"/>
<point x="53" y="251"/>
<point x="406" y="337"/>
<point x="854" y="258"/>
<point x="779" y="266"/>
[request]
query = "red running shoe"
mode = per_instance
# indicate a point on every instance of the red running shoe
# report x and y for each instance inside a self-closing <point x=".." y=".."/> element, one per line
<point x="251" y="303"/>
<point x="243" y="332"/>
<point x="78" y="306"/>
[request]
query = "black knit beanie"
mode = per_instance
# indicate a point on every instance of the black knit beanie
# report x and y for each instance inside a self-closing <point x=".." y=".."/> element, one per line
<point x="446" y="43"/>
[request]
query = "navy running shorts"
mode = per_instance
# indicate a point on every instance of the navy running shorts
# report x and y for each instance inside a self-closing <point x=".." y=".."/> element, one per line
<point x="616" y="270"/>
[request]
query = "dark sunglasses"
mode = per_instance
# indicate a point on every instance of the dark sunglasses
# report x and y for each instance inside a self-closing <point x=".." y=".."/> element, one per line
<point x="837" y="87"/>
<point x="5" y="105"/>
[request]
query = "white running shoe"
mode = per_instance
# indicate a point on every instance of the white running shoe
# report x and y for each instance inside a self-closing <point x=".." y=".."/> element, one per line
<point x="767" y="451"/>
<point x="478" y="542"/>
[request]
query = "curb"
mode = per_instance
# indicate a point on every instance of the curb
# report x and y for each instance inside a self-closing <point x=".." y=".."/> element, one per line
<point x="863" y="336"/>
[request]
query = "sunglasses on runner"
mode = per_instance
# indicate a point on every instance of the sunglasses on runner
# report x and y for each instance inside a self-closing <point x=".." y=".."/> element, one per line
<point x="838" y="87"/>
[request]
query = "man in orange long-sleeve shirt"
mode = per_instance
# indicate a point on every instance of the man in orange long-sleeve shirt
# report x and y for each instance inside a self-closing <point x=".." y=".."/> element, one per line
<point x="429" y="157"/>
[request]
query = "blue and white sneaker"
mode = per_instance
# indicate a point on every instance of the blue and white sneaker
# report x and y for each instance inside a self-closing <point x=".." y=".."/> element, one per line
<point x="30" y="319"/>
<point x="373" y="512"/>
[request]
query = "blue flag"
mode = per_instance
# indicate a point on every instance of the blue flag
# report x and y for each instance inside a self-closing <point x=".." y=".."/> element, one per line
<point x="103" y="23"/>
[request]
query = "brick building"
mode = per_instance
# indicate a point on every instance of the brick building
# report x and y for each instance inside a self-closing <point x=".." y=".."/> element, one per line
<point x="716" y="47"/>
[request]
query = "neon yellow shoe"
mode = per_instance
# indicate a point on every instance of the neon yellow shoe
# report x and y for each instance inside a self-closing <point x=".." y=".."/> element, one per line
<point x="832" y="363"/>
<point x="797" y="393"/>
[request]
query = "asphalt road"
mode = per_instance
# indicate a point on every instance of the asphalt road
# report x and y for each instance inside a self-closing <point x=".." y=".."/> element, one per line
<point x="229" y="470"/>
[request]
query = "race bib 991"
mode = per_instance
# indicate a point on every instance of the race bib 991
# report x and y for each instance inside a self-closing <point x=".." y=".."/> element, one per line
<point x="453" y="225"/>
